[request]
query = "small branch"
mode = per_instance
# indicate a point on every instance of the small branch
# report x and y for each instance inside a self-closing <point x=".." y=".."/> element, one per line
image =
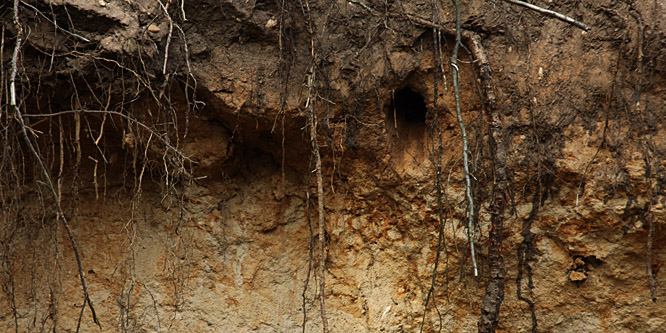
<point x="549" y="12"/>
<point x="366" y="7"/>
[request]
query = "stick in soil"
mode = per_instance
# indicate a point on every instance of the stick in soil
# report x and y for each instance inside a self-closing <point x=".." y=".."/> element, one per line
<point x="549" y="12"/>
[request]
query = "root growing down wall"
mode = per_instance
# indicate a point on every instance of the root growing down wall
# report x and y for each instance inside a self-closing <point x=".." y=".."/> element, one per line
<point x="298" y="166"/>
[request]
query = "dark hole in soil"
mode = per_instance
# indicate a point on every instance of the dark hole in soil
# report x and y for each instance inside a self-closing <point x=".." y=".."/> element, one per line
<point x="409" y="107"/>
<point x="592" y="260"/>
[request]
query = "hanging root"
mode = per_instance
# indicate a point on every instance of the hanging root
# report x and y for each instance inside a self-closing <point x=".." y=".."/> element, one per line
<point x="441" y="242"/>
<point x="526" y="253"/>
<point x="492" y="301"/>
<point x="468" y="181"/>
<point x="648" y="152"/>
<point x="494" y="296"/>
<point x="310" y="106"/>
<point x="310" y="247"/>
<point x="320" y="201"/>
<point x="47" y="178"/>
<point x="322" y="219"/>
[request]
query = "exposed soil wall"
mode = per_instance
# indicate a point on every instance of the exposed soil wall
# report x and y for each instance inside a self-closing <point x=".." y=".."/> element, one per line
<point x="177" y="140"/>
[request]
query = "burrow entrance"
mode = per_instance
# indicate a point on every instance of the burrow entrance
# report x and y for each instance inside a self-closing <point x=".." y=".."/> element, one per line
<point x="406" y="114"/>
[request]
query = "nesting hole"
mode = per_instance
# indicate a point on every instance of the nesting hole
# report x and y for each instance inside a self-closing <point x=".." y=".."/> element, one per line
<point x="409" y="108"/>
<point x="406" y="122"/>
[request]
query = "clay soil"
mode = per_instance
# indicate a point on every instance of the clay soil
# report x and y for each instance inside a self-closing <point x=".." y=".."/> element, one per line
<point x="176" y="135"/>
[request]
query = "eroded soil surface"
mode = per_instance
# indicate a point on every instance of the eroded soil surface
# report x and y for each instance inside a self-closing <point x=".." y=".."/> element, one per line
<point x="178" y="141"/>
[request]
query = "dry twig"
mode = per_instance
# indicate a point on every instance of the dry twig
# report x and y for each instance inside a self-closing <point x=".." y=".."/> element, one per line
<point x="549" y="12"/>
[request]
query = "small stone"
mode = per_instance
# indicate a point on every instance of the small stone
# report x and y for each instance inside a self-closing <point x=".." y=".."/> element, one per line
<point x="102" y="3"/>
<point x="128" y="141"/>
<point x="540" y="75"/>
<point x="271" y="23"/>
<point x="577" y="276"/>
<point x="153" y="28"/>
<point x="394" y="234"/>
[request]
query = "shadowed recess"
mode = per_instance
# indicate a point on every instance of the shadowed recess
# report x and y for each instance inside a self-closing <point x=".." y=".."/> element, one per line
<point x="409" y="107"/>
